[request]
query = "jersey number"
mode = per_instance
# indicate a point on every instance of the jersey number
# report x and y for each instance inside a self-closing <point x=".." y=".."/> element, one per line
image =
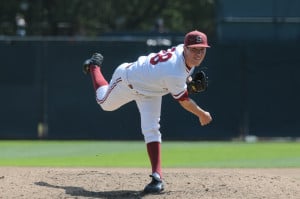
<point x="161" y="56"/>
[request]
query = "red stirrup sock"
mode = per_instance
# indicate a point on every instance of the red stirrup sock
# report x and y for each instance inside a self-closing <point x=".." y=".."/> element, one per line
<point x="97" y="77"/>
<point x="153" y="149"/>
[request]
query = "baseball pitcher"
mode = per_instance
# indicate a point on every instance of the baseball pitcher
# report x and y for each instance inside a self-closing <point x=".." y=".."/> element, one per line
<point x="145" y="81"/>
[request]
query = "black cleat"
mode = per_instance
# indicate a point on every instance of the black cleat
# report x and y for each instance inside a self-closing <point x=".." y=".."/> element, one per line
<point x="96" y="59"/>
<point x="155" y="186"/>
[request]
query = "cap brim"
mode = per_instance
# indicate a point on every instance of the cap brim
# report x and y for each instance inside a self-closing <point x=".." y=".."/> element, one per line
<point x="199" y="45"/>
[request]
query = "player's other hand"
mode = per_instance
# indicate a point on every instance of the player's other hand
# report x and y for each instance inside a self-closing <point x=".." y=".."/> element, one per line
<point x="205" y="118"/>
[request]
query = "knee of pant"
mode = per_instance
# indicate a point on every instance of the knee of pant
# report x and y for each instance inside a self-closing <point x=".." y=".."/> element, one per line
<point x="152" y="134"/>
<point x="107" y="108"/>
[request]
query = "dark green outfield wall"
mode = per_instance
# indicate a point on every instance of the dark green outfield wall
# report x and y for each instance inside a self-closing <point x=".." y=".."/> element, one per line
<point x="253" y="89"/>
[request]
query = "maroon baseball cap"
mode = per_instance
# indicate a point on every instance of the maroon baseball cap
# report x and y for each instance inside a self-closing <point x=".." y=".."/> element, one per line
<point x="196" y="39"/>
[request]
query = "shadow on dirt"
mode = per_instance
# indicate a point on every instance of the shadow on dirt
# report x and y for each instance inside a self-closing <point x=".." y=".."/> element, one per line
<point x="78" y="191"/>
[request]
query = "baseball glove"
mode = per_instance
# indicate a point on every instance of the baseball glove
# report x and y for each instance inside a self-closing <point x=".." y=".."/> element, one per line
<point x="199" y="83"/>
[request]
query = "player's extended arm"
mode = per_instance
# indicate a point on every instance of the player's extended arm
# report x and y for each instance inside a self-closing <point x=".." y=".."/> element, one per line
<point x="191" y="106"/>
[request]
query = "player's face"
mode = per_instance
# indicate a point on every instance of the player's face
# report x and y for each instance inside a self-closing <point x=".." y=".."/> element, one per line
<point x="194" y="56"/>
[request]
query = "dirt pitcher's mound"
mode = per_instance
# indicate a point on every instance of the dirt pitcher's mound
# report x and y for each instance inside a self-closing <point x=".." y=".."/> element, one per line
<point x="113" y="183"/>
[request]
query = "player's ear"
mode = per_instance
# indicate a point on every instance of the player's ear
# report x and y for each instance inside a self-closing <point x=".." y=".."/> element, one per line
<point x="185" y="48"/>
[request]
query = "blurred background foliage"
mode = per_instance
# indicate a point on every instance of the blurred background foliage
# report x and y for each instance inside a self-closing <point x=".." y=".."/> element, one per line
<point x="95" y="17"/>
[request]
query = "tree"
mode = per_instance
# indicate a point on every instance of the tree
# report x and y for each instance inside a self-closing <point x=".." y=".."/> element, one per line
<point x="94" y="17"/>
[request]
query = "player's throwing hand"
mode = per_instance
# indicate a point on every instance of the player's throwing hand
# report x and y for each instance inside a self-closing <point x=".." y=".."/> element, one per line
<point x="205" y="118"/>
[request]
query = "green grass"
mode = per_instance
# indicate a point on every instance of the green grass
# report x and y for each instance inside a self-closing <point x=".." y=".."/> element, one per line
<point x="134" y="154"/>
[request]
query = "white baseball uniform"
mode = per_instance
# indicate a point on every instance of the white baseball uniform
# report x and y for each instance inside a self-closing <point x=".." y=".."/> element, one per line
<point x="146" y="81"/>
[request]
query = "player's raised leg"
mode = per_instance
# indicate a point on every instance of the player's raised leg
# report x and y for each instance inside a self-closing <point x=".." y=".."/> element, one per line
<point x="109" y="96"/>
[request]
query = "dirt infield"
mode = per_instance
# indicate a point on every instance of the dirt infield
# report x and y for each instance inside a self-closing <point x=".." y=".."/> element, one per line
<point x="50" y="183"/>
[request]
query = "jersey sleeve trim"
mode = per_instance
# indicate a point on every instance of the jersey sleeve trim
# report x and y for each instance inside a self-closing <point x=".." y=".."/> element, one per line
<point x="179" y="95"/>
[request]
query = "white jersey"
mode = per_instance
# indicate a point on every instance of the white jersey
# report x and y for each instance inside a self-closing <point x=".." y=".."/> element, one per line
<point x="160" y="73"/>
